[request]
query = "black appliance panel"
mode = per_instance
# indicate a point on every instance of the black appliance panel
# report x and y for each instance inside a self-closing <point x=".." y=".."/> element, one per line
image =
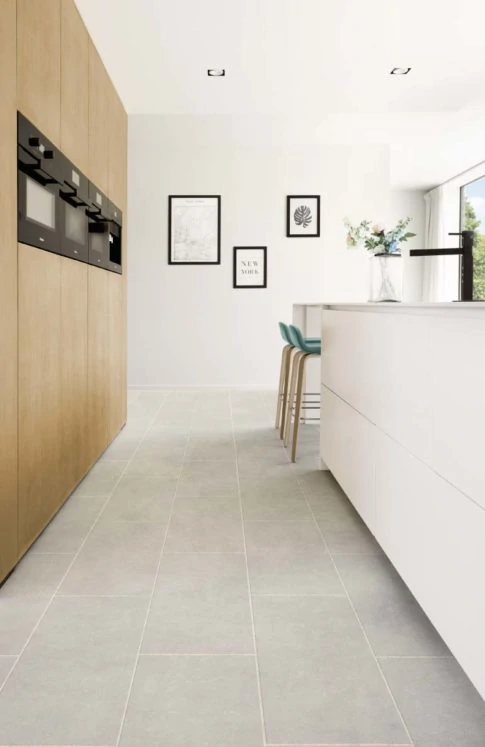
<point x="115" y="239"/>
<point x="39" y="177"/>
<point x="98" y="228"/>
<point x="74" y="193"/>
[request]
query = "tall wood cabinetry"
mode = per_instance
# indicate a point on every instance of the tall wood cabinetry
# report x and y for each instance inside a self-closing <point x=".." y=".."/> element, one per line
<point x="8" y="290"/>
<point x="63" y="323"/>
<point x="74" y="45"/>
<point x="39" y="64"/>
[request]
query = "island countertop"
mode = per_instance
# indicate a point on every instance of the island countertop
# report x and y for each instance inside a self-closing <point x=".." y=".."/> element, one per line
<point x="402" y="430"/>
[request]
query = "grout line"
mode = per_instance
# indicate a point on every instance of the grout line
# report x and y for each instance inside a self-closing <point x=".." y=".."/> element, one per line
<point x="431" y="656"/>
<point x="251" y="610"/>
<point x="411" y="742"/>
<point x="150" y="602"/>
<point x="303" y="596"/>
<point x="200" y="653"/>
<point x="75" y="556"/>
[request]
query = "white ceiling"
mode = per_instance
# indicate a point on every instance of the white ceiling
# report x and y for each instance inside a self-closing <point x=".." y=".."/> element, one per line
<point x="312" y="60"/>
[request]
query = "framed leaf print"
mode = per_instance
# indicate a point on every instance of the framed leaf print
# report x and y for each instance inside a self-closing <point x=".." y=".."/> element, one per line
<point x="194" y="230"/>
<point x="250" y="267"/>
<point x="303" y="216"/>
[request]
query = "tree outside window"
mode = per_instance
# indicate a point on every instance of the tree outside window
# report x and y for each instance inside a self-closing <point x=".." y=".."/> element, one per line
<point x="473" y="219"/>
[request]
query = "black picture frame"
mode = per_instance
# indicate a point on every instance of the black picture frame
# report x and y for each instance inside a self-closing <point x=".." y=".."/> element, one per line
<point x="303" y="199"/>
<point x="236" y="251"/>
<point x="171" y="260"/>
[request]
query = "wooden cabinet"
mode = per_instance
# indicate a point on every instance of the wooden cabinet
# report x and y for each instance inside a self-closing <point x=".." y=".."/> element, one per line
<point x="99" y="120"/>
<point x="40" y="431"/>
<point x="8" y="291"/>
<point x="98" y="361"/>
<point x="116" y="353"/>
<point x="74" y="86"/>
<point x="39" y="64"/>
<point x="117" y="151"/>
<point x="75" y="457"/>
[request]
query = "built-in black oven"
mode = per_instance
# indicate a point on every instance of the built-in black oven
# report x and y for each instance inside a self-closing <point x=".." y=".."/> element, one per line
<point x="74" y="193"/>
<point x="98" y="219"/>
<point x="115" y="239"/>
<point x="39" y="178"/>
<point x="105" y="232"/>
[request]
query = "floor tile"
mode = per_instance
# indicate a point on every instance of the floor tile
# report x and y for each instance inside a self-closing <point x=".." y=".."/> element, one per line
<point x="6" y="664"/>
<point x="394" y="622"/>
<point x="18" y="618"/>
<point x="271" y="483"/>
<point x="320" y="684"/>
<point x="210" y="445"/>
<point x="208" y="479"/>
<point x="311" y="626"/>
<point x="209" y="525"/>
<point x="262" y="506"/>
<point x="345" y="532"/>
<point x="319" y="482"/>
<point x="141" y="499"/>
<point x="36" y="576"/>
<point x="207" y="701"/>
<point x="118" y="558"/>
<point x="70" y="685"/>
<point x="439" y="704"/>
<point x="102" y="479"/>
<point x="277" y="464"/>
<point x="123" y="447"/>
<point x="289" y="558"/>
<point x="70" y="526"/>
<point x="160" y="448"/>
<point x="200" y="605"/>
<point x="154" y="465"/>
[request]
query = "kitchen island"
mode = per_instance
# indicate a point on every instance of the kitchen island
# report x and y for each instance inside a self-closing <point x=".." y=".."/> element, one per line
<point x="403" y="432"/>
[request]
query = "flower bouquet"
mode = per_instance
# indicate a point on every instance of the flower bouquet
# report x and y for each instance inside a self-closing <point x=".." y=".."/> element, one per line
<point x="375" y="238"/>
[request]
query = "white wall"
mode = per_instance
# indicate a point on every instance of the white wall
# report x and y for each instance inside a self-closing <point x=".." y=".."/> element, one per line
<point x="187" y="326"/>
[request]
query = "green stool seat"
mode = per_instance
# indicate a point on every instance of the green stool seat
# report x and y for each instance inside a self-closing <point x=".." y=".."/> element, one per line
<point x="306" y="345"/>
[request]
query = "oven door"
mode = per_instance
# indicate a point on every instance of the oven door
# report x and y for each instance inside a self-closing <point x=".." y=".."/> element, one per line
<point x="74" y="193"/>
<point x="39" y="210"/>
<point x="99" y="243"/>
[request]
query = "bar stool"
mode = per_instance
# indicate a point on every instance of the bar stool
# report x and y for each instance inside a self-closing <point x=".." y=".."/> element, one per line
<point x="286" y="359"/>
<point x="305" y="350"/>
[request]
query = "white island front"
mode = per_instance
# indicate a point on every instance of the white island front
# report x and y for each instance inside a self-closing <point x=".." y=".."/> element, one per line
<point x="403" y="432"/>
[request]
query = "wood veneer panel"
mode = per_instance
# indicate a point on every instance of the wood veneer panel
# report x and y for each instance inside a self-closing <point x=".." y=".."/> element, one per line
<point x="40" y="432"/>
<point x="39" y="64"/>
<point x="74" y="86"/>
<point x="98" y="361"/>
<point x="99" y="120"/>
<point x="8" y="290"/>
<point x="75" y="457"/>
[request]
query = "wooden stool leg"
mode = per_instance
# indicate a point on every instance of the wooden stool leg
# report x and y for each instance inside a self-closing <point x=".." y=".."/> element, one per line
<point x="291" y="396"/>
<point x="299" y="392"/>
<point x="279" y="404"/>
<point x="284" y="404"/>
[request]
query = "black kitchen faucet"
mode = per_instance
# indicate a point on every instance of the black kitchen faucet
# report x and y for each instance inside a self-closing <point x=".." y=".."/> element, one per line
<point x="466" y="253"/>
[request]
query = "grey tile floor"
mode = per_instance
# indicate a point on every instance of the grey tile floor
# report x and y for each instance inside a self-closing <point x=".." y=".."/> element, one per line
<point x="197" y="590"/>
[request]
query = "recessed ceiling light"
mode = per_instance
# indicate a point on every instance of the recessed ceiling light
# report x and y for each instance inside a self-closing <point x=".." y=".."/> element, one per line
<point x="216" y="73"/>
<point x="400" y="70"/>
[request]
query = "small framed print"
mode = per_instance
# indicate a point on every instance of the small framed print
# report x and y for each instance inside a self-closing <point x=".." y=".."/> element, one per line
<point x="303" y="216"/>
<point x="194" y="230"/>
<point x="250" y="267"/>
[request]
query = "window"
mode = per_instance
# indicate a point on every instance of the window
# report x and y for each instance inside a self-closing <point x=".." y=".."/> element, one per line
<point x="472" y="210"/>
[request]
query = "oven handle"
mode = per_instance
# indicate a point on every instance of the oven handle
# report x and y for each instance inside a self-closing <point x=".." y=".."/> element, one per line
<point x="73" y="199"/>
<point x="35" y="169"/>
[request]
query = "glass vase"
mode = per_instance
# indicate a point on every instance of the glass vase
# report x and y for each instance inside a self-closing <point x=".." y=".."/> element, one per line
<point x="385" y="277"/>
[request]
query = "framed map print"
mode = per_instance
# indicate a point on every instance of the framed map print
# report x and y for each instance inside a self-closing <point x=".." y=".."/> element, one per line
<point x="194" y="230"/>
<point x="250" y="267"/>
<point x="303" y="216"/>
